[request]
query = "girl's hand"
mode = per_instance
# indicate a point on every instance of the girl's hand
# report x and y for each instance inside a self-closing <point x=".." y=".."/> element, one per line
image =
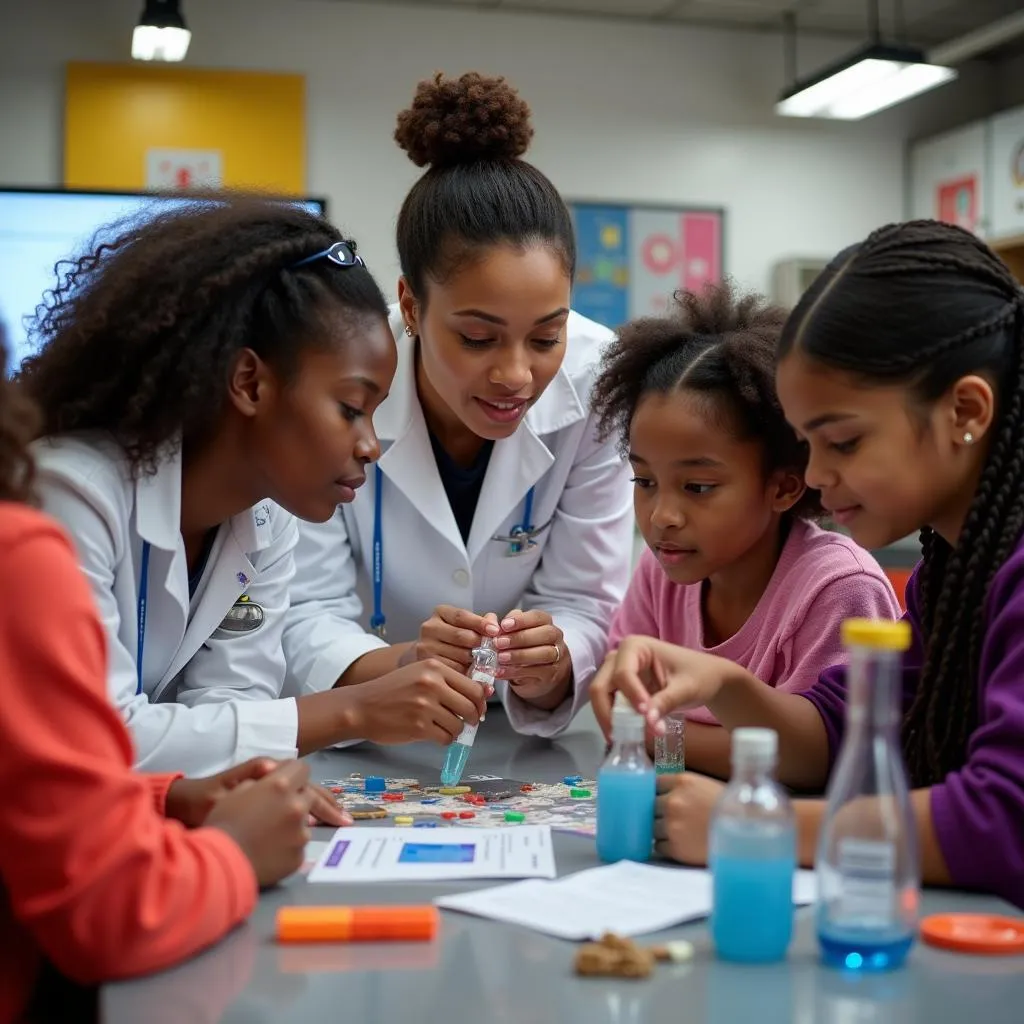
<point x="533" y="657"/>
<point x="191" y="800"/>
<point x="656" y="678"/>
<point x="682" y="813"/>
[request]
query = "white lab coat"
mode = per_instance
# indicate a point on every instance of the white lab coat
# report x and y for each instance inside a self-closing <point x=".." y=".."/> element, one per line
<point x="208" y="698"/>
<point x="578" y="572"/>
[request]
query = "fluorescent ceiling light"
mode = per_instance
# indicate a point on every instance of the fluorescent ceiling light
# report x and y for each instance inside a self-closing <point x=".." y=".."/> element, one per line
<point x="871" y="80"/>
<point x="161" y="33"/>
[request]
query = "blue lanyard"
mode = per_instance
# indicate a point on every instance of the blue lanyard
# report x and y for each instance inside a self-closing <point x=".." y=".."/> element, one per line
<point x="143" y="589"/>
<point x="378" y="620"/>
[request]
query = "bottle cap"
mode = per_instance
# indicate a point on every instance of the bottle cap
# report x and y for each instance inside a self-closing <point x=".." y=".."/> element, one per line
<point x="357" y="924"/>
<point x="622" y="707"/>
<point x="760" y="743"/>
<point x="876" y="633"/>
<point x="989" y="934"/>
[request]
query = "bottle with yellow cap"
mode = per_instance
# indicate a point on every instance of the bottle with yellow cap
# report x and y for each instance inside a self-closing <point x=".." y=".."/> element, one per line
<point x="868" y="864"/>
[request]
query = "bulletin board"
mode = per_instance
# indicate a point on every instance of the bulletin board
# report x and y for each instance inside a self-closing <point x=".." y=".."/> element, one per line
<point x="631" y="258"/>
<point x="132" y="127"/>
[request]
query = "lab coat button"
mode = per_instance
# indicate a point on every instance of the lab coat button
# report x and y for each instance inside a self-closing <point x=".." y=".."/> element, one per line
<point x="460" y="577"/>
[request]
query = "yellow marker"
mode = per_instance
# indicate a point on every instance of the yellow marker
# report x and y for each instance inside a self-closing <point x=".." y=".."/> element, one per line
<point x="403" y="819"/>
<point x="454" y="790"/>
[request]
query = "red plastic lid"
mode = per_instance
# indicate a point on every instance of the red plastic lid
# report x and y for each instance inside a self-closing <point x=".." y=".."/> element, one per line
<point x="975" y="933"/>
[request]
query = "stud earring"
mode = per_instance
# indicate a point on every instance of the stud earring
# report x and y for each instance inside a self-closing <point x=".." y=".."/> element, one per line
<point x="968" y="438"/>
<point x="408" y="330"/>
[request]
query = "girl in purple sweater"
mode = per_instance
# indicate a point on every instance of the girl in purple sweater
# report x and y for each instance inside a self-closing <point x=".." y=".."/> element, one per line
<point x="903" y="367"/>
<point x="735" y="564"/>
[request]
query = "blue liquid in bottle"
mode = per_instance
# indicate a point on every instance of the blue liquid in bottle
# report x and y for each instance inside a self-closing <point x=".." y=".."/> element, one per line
<point x="482" y="671"/>
<point x="752" y="856"/>
<point x="863" y="952"/>
<point x="625" y="791"/>
<point x="752" y="920"/>
<point x="454" y="763"/>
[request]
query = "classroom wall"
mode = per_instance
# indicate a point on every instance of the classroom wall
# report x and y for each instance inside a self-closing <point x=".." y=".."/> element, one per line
<point x="622" y="111"/>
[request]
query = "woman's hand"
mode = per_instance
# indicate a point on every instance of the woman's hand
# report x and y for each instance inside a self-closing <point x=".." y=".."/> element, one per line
<point x="682" y="815"/>
<point x="533" y="657"/>
<point x="449" y="636"/>
<point x="191" y="800"/>
<point x="656" y="678"/>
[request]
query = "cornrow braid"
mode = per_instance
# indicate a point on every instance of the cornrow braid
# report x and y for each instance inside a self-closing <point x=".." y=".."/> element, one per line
<point x="715" y="343"/>
<point x="139" y="333"/>
<point x="951" y="308"/>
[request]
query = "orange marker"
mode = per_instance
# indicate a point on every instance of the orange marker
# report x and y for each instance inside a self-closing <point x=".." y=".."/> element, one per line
<point x="357" y="924"/>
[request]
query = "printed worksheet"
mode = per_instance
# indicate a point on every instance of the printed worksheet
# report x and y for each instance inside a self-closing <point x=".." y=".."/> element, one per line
<point x="626" y="898"/>
<point x="422" y="855"/>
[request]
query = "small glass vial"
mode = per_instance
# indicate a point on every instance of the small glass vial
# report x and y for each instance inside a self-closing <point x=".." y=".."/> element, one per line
<point x="868" y="862"/>
<point x="752" y="855"/>
<point x="482" y="671"/>
<point x="670" y="748"/>
<point x="625" y="790"/>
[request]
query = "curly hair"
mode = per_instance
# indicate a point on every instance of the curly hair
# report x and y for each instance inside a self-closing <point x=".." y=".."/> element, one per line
<point x="19" y="421"/>
<point x="472" y="132"/>
<point x="717" y="343"/>
<point x="139" y="334"/>
<point x="921" y="305"/>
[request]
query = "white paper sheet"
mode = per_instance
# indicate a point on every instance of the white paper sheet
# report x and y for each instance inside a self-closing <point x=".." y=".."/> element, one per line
<point x="626" y="898"/>
<point x="431" y="855"/>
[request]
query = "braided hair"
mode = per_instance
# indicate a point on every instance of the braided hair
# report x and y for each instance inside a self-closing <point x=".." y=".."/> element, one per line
<point x="139" y="334"/>
<point x="719" y="344"/>
<point x="951" y="308"/>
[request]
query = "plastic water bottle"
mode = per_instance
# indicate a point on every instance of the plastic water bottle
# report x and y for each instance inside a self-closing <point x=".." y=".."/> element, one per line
<point x="868" y="863"/>
<point x="482" y="671"/>
<point x="625" y="790"/>
<point x="752" y="855"/>
<point x="670" y="746"/>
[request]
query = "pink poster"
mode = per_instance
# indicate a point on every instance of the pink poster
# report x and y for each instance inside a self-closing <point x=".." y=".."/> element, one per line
<point x="673" y="251"/>
<point x="957" y="202"/>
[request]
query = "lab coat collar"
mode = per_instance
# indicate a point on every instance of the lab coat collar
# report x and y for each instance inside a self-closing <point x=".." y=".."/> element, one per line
<point x="158" y="510"/>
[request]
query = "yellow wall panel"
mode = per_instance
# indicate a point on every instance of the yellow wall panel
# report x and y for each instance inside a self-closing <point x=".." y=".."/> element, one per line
<point x="116" y="113"/>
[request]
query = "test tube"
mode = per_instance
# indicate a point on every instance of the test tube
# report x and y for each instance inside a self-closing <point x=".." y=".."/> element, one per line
<point x="482" y="671"/>
<point x="670" y="748"/>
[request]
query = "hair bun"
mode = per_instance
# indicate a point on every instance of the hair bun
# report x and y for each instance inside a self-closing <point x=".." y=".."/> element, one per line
<point x="462" y="120"/>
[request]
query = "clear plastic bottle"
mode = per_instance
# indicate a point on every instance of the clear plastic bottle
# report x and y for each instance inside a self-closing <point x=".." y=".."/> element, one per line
<point x="752" y="855"/>
<point x="868" y="864"/>
<point x="482" y="671"/>
<point x="625" y="790"/>
<point x="670" y="746"/>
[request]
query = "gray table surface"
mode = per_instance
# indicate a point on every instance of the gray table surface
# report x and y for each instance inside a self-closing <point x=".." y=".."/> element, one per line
<point x="481" y="970"/>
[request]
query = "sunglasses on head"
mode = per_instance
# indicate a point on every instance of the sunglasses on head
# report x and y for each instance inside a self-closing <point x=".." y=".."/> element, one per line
<point x="340" y="253"/>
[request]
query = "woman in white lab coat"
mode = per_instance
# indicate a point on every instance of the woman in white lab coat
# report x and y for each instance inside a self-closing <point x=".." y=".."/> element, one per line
<point x="201" y="373"/>
<point x="493" y="493"/>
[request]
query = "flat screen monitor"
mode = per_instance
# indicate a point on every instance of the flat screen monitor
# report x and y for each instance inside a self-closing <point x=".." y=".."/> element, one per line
<point x="41" y="227"/>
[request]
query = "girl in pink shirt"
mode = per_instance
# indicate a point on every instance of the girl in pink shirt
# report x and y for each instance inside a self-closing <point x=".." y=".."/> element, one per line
<point x="735" y="564"/>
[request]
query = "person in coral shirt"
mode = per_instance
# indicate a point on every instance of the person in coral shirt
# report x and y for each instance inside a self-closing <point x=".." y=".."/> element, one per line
<point x="97" y="882"/>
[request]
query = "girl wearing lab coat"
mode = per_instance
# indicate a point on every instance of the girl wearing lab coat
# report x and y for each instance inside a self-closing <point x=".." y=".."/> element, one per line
<point x="493" y="493"/>
<point x="203" y="375"/>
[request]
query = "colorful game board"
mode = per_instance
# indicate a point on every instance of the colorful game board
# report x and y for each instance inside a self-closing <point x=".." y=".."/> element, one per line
<point x="489" y="801"/>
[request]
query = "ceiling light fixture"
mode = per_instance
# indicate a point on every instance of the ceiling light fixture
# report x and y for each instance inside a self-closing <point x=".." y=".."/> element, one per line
<point x="161" y="33"/>
<point x="878" y="76"/>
